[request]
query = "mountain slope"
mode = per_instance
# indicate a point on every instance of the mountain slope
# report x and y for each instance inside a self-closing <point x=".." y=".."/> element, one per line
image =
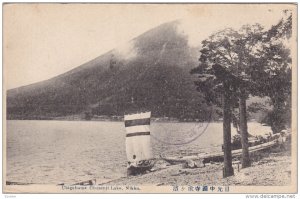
<point x="152" y="71"/>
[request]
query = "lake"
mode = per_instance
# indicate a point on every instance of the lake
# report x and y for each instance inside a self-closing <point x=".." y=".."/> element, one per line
<point x="52" y="152"/>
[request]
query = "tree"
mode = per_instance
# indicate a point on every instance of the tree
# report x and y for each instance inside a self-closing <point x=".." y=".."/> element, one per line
<point x="235" y="51"/>
<point x="272" y="71"/>
<point x="258" y="62"/>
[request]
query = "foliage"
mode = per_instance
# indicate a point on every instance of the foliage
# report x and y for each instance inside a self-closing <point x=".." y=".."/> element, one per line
<point x="261" y="59"/>
<point x="272" y="73"/>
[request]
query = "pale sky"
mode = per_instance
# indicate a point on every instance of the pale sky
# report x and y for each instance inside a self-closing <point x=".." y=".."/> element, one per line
<point x="45" y="40"/>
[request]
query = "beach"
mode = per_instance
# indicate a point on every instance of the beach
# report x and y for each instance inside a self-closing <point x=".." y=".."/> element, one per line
<point x="261" y="173"/>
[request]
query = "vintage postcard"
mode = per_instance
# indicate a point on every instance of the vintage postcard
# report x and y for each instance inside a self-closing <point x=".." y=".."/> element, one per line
<point x="150" y="98"/>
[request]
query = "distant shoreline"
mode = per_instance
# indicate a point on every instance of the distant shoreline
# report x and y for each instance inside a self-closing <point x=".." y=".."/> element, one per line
<point x="118" y="119"/>
<point x="109" y="119"/>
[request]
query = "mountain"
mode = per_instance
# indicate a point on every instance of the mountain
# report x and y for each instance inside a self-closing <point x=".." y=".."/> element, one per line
<point x="150" y="72"/>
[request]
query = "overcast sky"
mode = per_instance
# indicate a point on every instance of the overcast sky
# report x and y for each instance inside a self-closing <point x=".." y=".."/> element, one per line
<point x="42" y="41"/>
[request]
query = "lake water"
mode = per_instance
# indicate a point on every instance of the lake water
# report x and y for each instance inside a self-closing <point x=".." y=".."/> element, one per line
<point x="52" y="152"/>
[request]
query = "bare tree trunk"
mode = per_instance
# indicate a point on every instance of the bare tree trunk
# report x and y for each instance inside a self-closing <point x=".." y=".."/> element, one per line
<point x="243" y="129"/>
<point x="228" y="170"/>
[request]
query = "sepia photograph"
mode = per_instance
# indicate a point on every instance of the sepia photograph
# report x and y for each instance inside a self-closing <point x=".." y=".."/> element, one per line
<point x="150" y="98"/>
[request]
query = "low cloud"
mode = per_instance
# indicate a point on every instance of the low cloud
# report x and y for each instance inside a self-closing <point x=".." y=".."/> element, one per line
<point x="126" y="50"/>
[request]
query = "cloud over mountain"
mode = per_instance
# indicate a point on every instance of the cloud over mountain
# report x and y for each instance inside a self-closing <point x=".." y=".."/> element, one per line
<point x="152" y="71"/>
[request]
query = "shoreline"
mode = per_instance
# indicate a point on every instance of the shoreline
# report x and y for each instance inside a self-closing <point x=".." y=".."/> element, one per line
<point x="260" y="173"/>
<point x="156" y="120"/>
